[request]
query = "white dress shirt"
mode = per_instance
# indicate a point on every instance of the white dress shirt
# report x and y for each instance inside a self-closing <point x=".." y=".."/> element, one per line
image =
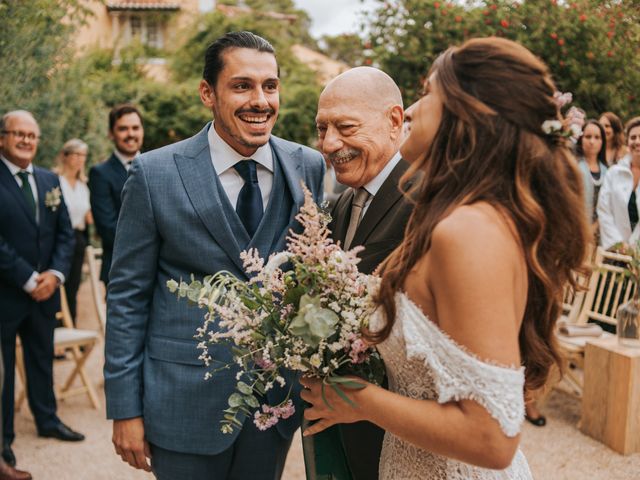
<point x="76" y="199"/>
<point x="224" y="157"/>
<point x="126" y="161"/>
<point x="32" y="283"/>
<point x="374" y="185"/>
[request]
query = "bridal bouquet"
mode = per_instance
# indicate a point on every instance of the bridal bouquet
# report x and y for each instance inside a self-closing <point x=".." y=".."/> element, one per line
<point x="302" y="311"/>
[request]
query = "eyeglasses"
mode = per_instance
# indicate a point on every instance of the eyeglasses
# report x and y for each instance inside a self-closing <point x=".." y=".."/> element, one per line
<point x="20" y="135"/>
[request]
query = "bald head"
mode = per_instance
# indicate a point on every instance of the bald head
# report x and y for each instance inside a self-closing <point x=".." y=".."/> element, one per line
<point x="365" y="86"/>
<point x="359" y="124"/>
<point x="19" y="135"/>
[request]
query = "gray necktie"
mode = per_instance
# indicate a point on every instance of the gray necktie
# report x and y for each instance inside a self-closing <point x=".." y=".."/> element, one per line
<point x="359" y="201"/>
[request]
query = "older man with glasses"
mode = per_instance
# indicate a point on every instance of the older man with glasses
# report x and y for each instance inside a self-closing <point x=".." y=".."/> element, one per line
<point x="36" y="244"/>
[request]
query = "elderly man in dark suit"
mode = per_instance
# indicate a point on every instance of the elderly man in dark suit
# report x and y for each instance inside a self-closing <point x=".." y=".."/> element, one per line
<point x="36" y="245"/>
<point x="106" y="180"/>
<point x="360" y="120"/>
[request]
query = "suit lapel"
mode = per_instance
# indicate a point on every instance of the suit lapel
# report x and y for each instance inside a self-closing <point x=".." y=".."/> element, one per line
<point x="290" y="162"/>
<point x="42" y="193"/>
<point x="118" y="169"/>
<point x="384" y="200"/>
<point x="203" y="188"/>
<point x="341" y="214"/>
<point x="12" y="186"/>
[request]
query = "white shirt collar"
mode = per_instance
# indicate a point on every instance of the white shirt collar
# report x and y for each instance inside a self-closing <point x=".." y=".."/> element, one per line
<point x="126" y="162"/>
<point x="374" y="185"/>
<point x="225" y="157"/>
<point x="14" y="169"/>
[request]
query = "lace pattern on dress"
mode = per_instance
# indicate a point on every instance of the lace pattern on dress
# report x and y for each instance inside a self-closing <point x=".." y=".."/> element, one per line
<point x="424" y="363"/>
<point x="461" y="375"/>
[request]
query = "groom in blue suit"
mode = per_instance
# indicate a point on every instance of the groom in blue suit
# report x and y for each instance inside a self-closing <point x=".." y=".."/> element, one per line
<point x="192" y="207"/>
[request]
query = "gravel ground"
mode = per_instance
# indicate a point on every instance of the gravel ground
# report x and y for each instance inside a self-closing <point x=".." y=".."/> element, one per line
<point x="556" y="452"/>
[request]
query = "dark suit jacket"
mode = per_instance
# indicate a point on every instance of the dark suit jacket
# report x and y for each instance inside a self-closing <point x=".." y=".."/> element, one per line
<point x="382" y="228"/>
<point x="27" y="246"/>
<point x="106" y="182"/>
<point x="380" y="231"/>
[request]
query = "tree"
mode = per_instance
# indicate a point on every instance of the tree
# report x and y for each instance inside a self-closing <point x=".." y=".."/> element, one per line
<point x="35" y="55"/>
<point x="591" y="46"/>
<point x="346" y="47"/>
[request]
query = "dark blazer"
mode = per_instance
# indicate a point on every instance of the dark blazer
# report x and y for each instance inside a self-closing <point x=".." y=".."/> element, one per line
<point x="380" y="231"/>
<point x="106" y="182"/>
<point x="27" y="246"/>
<point x="176" y="221"/>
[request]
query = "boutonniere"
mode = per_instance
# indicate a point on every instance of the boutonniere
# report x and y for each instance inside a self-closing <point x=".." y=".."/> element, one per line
<point x="52" y="198"/>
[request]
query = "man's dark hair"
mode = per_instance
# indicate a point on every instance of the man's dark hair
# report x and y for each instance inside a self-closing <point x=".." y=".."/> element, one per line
<point x="120" y="111"/>
<point x="213" y="61"/>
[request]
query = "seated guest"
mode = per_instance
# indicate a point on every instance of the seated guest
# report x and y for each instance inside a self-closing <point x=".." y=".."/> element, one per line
<point x="73" y="183"/>
<point x="618" y="201"/>
<point x="616" y="148"/>
<point x="36" y="246"/>
<point x="591" y="150"/>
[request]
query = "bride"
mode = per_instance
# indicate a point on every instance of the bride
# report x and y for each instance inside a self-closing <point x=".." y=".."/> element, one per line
<point x="469" y="300"/>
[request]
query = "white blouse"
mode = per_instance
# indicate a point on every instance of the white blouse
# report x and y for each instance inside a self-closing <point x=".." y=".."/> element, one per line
<point x="77" y="201"/>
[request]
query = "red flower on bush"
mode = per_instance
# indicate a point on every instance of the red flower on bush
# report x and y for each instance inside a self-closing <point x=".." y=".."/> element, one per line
<point x="504" y="23"/>
<point x="458" y="18"/>
<point x="582" y="18"/>
<point x="554" y="36"/>
<point x="436" y="5"/>
<point x="561" y="42"/>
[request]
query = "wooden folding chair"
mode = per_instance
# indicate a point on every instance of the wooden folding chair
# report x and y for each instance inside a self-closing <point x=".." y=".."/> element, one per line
<point x="93" y="257"/>
<point x="608" y="288"/>
<point x="80" y="343"/>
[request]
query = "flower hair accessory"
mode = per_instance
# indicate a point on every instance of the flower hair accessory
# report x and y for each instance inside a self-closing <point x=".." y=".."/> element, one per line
<point x="562" y="99"/>
<point x="557" y="128"/>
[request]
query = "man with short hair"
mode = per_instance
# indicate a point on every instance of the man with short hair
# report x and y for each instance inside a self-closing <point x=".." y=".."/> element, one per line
<point x="106" y="180"/>
<point x="36" y="245"/>
<point x="360" y="120"/>
<point x="192" y="207"/>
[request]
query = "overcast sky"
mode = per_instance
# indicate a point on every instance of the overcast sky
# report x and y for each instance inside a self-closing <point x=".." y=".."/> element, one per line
<point x="331" y="17"/>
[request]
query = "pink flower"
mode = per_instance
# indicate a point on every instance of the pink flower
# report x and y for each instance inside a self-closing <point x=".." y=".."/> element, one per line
<point x="264" y="420"/>
<point x="358" y="352"/>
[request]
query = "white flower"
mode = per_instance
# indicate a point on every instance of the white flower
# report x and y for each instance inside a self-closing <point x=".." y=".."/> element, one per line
<point x="52" y="198"/>
<point x="551" y="126"/>
<point x="576" y="130"/>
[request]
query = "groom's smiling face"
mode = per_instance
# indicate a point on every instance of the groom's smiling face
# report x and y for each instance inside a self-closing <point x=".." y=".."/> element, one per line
<point x="245" y="99"/>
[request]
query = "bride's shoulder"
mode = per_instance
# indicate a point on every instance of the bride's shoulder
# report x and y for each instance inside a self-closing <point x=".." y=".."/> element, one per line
<point x="477" y="227"/>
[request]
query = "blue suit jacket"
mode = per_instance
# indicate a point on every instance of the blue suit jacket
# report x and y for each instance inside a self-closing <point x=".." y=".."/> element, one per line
<point x="27" y="246"/>
<point x="106" y="181"/>
<point x="176" y="220"/>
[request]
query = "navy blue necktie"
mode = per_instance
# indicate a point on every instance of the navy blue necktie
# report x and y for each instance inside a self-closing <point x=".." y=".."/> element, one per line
<point x="249" y="207"/>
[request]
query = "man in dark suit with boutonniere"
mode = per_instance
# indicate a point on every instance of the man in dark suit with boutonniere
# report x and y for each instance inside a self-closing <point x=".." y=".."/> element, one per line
<point x="36" y="245"/>
<point x="106" y="180"/>
<point x="360" y="121"/>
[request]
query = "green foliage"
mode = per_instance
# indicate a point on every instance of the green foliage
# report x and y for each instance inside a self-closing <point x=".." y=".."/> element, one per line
<point x="589" y="45"/>
<point x="347" y="47"/>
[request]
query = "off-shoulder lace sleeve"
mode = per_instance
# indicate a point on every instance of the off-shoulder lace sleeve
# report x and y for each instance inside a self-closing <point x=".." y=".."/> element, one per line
<point x="460" y="375"/>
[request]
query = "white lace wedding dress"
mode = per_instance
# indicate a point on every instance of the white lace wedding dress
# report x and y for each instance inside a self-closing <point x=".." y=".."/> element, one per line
<point x="424" y="362"/>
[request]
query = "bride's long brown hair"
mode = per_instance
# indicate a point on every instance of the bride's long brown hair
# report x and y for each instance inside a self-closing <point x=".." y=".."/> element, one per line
<point x="490" y="147"/>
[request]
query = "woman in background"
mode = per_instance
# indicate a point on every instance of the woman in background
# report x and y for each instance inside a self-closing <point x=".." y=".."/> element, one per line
<point x="618" y="212"/>
<point x="592" y="160"/>
<point x="616" y="148"/>
<point x="73" y="183"/>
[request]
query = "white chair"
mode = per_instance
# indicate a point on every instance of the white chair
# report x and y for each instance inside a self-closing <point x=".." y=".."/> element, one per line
<point x="608" y="288"/>
<point x="80" y="343"/>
